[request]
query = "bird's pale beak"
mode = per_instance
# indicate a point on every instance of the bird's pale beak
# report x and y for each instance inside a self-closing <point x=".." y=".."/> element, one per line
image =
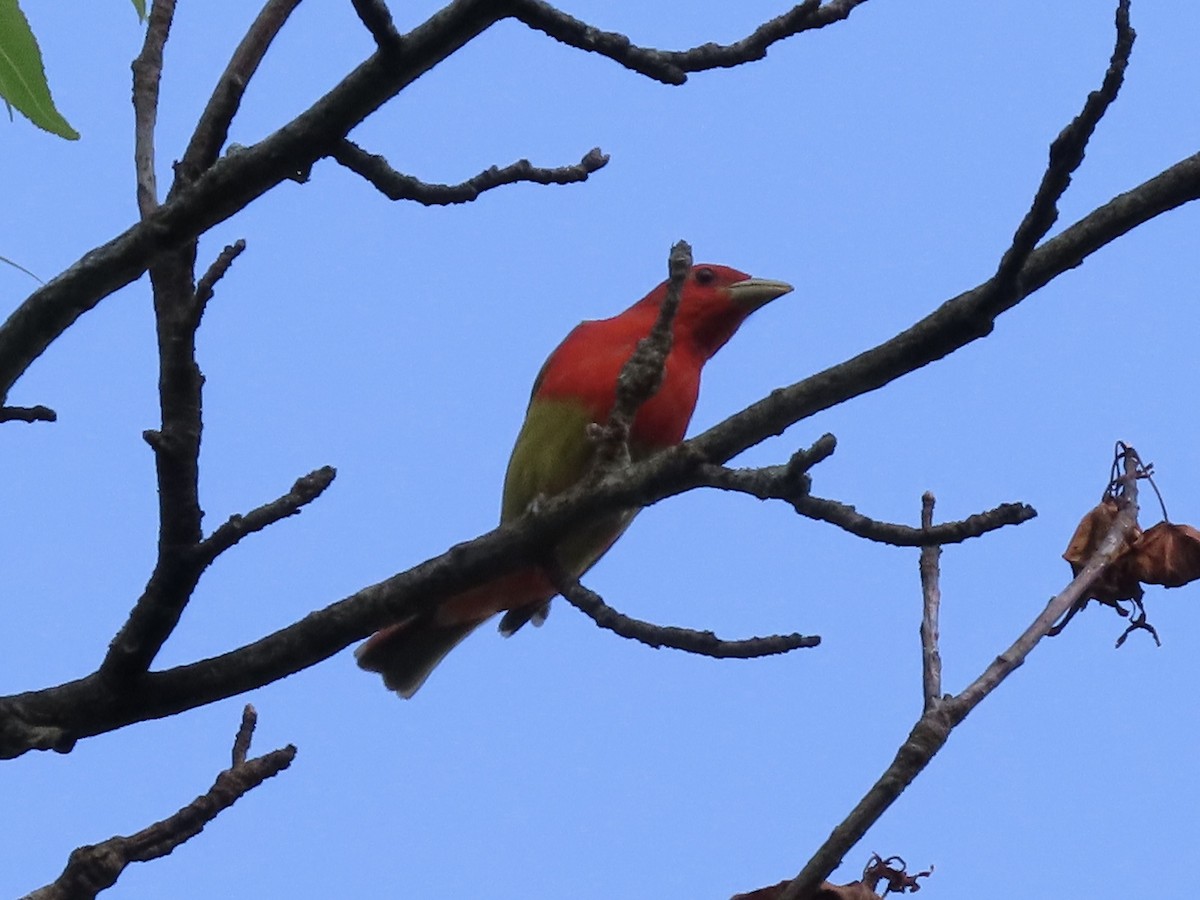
<point x="754" y="293"/>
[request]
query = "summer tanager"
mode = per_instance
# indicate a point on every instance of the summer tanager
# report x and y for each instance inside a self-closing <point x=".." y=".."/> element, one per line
<point x="576" y="388"/>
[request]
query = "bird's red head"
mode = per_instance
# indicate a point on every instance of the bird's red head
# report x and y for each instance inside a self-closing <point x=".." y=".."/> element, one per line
<point x="714" y="302"/>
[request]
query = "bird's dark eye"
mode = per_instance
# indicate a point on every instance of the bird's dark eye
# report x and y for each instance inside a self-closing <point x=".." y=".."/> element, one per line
<point x="705" y="275"/>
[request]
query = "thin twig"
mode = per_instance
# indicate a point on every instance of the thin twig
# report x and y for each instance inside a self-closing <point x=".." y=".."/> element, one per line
<point x="1066" y="155"/>
<point x="27" y="414"/>
<point x="212" y="128"/>
<point x="672" y="66"/>
<point x="245" y="734"/>
<point x="214" y="273"/>
<point x="398" y="186"/>
<point x="931" y="593"/>
<point x="96" y="867"/>
<point x="147" y="73"/>
<point x="703" y="643"/>
<point x="641" y="375"/>
<point x="976" y="525"/>
<point x="304" y="491"/>
<point x="781" y="483"/>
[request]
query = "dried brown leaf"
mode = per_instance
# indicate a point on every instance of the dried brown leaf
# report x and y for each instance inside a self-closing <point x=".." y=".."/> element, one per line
<point x="1166" y="554"/>
<point x="1116" y="582"/>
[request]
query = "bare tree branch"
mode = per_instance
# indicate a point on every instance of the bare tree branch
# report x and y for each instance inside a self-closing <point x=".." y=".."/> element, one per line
<point x="672" y="66"/>
<point x="216" y="271"/>
<point x="377" y="19"/>
<point x="933" y="728"/>
<point x="971" y="315"/>
<point x="176" y="446"/>
<point x="96" y="867"/>
<point x="220" y="188"/>
<point x="781" y="483"/>
<point x="178" y="307"/>
<point x="245" y="734"/>
<point x="1066" y="155"/>
<point x="398" y="186"/>
<point x="147" y="72"/>
<point x="27" y="414"/>
<point x="931" y="731"/>
<point x="303" y="492"/>
<point x="931" y="593"/>
<point x="976" y="525"/>
<point x="212" y="128"/>
<point x="641" y="375"/>
<point x="58" y="716"/>
<point x="703" y="643"/>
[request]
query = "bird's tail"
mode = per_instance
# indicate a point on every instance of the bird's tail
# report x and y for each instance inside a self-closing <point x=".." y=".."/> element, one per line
<point x="406" y="653"/>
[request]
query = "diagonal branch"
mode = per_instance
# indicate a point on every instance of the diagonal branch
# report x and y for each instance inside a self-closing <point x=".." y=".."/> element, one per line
<point x="702" y="643"/>
<point x="212" y="128"/>
<point x="214" y="273"/>
<point x="96" y="867"/>
<point x="56" y="717"/>
<point x="933" y="728"/>
<point x="303" y="492"/>
<point x="398" y="186"/>
<point x="965" y="318"/>
<point x="221" y="188"/>
<point x="1066" y="155"/>
<point x="237" y="179"/>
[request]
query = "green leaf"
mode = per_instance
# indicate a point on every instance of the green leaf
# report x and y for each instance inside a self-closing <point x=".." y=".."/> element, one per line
<point x="140" y="6"/>
<point x="22" y="78"/>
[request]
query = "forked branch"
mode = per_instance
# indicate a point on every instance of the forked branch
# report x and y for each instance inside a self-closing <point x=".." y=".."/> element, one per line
<point x="96" y="867"/>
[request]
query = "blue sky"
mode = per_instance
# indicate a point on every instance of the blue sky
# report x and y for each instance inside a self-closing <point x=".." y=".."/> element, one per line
<point x="881" y="167"/>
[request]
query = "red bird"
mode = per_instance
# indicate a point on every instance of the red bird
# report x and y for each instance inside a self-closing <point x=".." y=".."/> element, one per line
<point x="576" y="388"/>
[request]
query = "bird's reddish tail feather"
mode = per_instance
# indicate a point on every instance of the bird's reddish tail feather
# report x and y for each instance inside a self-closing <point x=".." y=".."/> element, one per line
<point x="407" y="652"/>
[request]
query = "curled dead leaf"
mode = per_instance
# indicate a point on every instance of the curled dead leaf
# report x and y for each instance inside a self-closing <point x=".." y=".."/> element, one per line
<point x="1166" y="554"/>
<point x="1117" y="582"/>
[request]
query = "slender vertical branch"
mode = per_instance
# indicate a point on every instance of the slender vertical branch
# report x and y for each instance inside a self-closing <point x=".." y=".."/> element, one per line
<point x="931" y="592"/>
<point x="147" y="72"/>
<point x="641" y="376"/>
<point x="178" y="304"/>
